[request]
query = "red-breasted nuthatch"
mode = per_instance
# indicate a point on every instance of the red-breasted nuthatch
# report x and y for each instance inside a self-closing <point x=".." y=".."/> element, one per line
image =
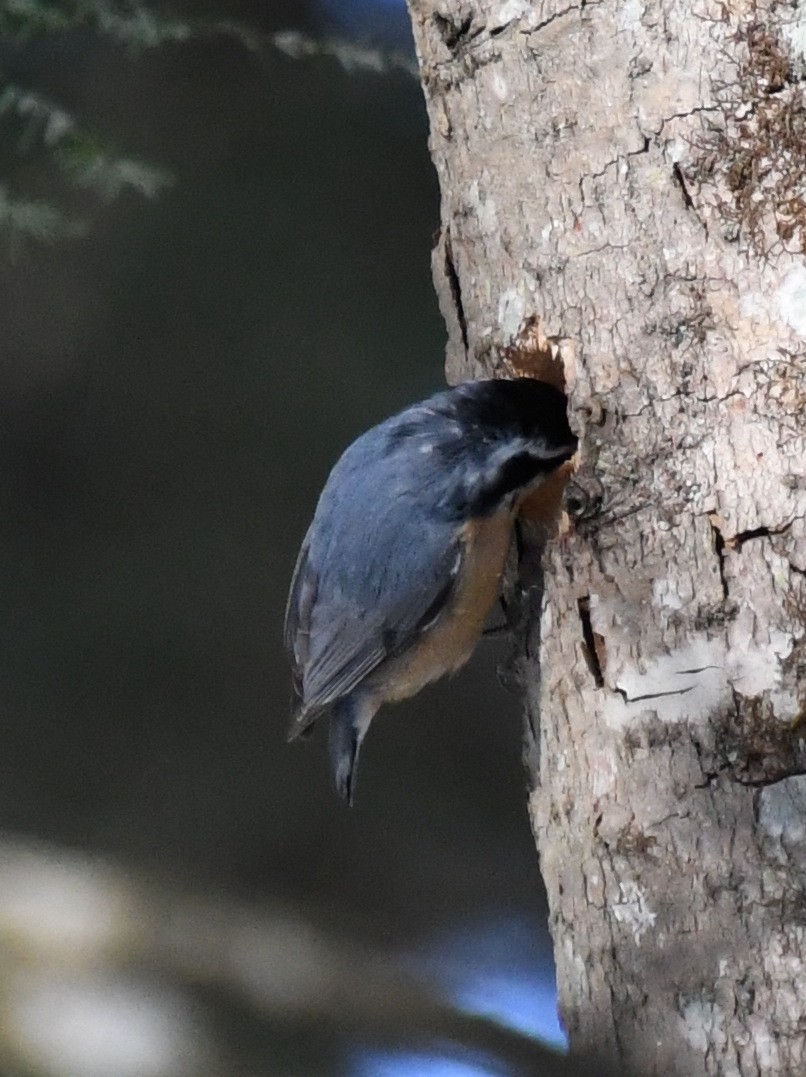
<point x="402" y="563"/>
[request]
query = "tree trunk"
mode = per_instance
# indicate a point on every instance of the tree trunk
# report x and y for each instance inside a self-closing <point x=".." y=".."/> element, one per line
<point x="633" y="174"/>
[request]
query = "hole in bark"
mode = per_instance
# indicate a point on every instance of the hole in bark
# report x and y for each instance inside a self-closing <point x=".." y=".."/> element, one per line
<point x="452" y="31"/>
<point x="583" y="498"/>
<point x="589" y="640"/>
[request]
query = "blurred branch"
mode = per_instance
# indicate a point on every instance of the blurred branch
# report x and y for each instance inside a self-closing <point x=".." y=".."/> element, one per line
<point x="140" y="26"/>
<point x="130" y="23"/>
<point x="351" y="56"/>
<point x="84" y="159"/>
<point x="65" y="912"/>
<point x="87" y="160"/>
<point x="20" y="217"/>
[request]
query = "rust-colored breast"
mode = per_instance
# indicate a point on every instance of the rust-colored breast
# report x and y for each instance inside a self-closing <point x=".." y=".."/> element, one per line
<point x="544" y="504"/>
<point x="448" y="644"/>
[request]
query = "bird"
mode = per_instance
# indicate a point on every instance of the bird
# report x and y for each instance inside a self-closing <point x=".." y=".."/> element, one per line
<point x="402" y="562"/>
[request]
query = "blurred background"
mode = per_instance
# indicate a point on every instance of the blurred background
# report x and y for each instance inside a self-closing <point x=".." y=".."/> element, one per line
<point x="214" y="262"/>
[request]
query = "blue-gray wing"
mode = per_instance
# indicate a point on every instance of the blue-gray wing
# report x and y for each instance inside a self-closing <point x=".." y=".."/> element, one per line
<point x="366" y="583"/>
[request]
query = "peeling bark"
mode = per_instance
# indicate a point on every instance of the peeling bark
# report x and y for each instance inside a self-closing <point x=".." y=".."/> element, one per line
<point x="625" y="173"/>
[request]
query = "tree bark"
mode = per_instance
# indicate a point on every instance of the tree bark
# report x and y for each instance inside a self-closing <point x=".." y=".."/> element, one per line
<point x="632" y="174"/>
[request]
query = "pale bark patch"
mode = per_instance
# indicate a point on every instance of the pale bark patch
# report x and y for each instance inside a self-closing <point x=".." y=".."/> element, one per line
<point x="792" y="299"/>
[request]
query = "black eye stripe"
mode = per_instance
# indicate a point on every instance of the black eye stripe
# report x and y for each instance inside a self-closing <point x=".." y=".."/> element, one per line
<point x="514" y="475"/>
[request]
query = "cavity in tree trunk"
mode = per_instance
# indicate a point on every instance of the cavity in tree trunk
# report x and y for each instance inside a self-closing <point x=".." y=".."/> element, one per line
<point x="632" y="174"/>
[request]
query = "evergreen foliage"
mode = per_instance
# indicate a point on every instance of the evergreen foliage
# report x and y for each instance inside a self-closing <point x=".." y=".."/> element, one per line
<point x="32" y="124"/>
<point x="132" y="23"/>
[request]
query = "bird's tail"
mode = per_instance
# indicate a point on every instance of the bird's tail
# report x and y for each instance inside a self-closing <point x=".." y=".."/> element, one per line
<point x="349" y="721"/>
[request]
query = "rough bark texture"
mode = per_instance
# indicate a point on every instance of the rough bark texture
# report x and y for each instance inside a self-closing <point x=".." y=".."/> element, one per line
<point x="633" y="174"/>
